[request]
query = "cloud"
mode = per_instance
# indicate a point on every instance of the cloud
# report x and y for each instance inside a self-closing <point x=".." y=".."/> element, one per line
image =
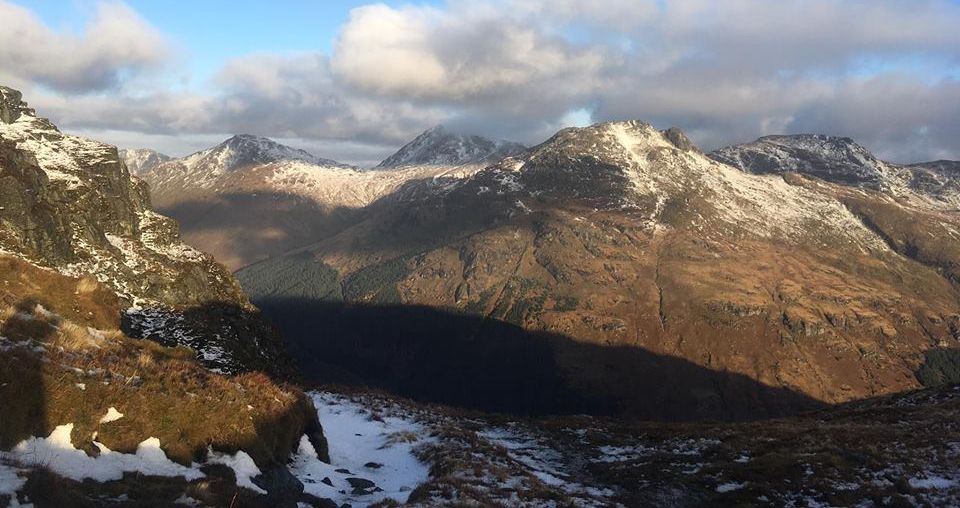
<point x="115" y="43"/>
<point x="882" y="71"/>
<point x="471" y="52"/>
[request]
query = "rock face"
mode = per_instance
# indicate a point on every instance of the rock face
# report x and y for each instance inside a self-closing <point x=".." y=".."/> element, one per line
<point x="939" y="179"/>
<point x="841" y="160"/>
<point x="831" y="158"/>
<point x="69" y="203"/>
<point x="141" y="160"/>
<point x="616" y="269"/>
<point x="441" y="147"/>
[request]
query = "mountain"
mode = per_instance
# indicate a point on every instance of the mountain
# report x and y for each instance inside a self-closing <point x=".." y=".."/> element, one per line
<point x="141" y="160"/>
<point x="250" y="198"/>
<point x="939" y="179"/>
<point x="202" y="170"/>
<point x="841" y="160"/>
<point x="88" y="271"/>
<point x="616" y="269"/>
<point x="441" y="147"/>
<point x="69" y="204"/>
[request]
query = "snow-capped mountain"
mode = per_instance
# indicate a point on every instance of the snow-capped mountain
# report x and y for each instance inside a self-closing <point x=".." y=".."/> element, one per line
<point x="618" y="245"/>
<point x="245" y="150"/>
<point x="439" y="146"/>
<point x="141" y="160"/>
<point x="843" y="161"/>
<point x="249" y="197"/>
<point x="203" y="169"/>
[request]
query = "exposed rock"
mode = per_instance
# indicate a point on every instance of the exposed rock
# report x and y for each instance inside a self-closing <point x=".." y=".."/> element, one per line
<point x="440" y="147"/>
<point x="679" y="139"/>
<point x="69" y="203"/>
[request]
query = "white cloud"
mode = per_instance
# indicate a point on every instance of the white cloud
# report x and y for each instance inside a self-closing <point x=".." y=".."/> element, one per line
<point x="882" y="71"/>
<point x="116" y="42"/>
<point x="469" y="52"/>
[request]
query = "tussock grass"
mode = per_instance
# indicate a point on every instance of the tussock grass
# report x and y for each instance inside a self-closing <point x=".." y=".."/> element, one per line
<point x="57" y="367"/>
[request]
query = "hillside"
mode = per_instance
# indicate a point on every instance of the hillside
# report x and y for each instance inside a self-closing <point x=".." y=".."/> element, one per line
<point x="250" y="198"/>
<point x="70" y="204"/>
<point x="88" y="272"/>
<point x="616" y="269"/>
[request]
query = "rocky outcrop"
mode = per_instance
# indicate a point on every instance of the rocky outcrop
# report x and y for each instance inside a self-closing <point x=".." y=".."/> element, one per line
<point x="439" y="146"/>
<point x="70" y="204"/>
<point x="842" y="161"/>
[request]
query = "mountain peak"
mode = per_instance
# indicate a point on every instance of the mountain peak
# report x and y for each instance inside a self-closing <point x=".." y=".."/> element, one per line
<point x="439" y="146"/>
<point x="141" y="160"/>
<point x="833" y="158"/>
<point x="243" y="150"/>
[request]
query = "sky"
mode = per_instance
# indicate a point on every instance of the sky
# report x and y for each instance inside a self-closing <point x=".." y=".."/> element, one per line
<point x="355" y="80"/>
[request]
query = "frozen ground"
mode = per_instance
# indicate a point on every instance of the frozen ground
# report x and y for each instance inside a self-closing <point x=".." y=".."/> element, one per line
<point x="372" y="455"/>
<point x="899" y="451"/>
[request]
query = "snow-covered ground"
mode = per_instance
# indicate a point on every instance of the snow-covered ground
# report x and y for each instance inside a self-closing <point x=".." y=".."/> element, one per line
<point x="57" y="453"/>
<point x="10" y="482"/>
<point x="371" y="456"/>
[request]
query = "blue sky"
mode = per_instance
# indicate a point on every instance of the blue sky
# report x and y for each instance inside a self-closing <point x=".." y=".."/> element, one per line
<point x="179" y="76"/>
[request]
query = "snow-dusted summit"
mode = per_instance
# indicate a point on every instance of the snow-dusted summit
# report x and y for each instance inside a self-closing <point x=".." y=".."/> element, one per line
<point x="141" y="160"/>
<point x="439" y="146"/>
<point x="246" y="150"/>
<point x="842" y="161"/>
<point x="832" y="158"/>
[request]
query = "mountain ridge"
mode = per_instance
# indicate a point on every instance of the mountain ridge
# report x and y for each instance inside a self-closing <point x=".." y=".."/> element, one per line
<point x="141" y="160"/>
<point x="622" y="235"/>
<point x="438" y="146"/>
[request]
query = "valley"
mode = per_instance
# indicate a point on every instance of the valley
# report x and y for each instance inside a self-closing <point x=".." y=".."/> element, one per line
<point x="609" y="318"/>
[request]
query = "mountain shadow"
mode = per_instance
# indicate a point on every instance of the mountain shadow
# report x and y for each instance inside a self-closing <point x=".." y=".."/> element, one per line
<point x="472" y="362"/>
<point x="242" y="228"/>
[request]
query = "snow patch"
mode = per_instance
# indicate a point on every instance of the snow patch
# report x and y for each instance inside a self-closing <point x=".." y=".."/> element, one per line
<point x="357" y="439"/>
<point x="57" y="453"/>
<point x="111" y="416"/>
<point x="243" y="467"/>
<point x="11" y="482"/>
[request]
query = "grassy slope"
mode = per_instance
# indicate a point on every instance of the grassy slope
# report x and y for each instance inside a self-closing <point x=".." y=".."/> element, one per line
<point x="61" y="334"/>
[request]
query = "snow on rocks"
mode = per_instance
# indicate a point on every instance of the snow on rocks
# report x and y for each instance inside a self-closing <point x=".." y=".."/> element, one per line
<point x="545" y="462"/>
<point x="243" y="467"/>
<point x="372" y="457"/>
<point x="57" y="453"/>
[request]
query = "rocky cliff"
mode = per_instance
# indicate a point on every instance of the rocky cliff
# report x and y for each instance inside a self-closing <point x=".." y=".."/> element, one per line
<point x="70" y="204"/>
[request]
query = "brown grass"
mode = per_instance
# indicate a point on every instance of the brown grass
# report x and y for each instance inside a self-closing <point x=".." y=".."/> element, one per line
<point x="59" y="368"/>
